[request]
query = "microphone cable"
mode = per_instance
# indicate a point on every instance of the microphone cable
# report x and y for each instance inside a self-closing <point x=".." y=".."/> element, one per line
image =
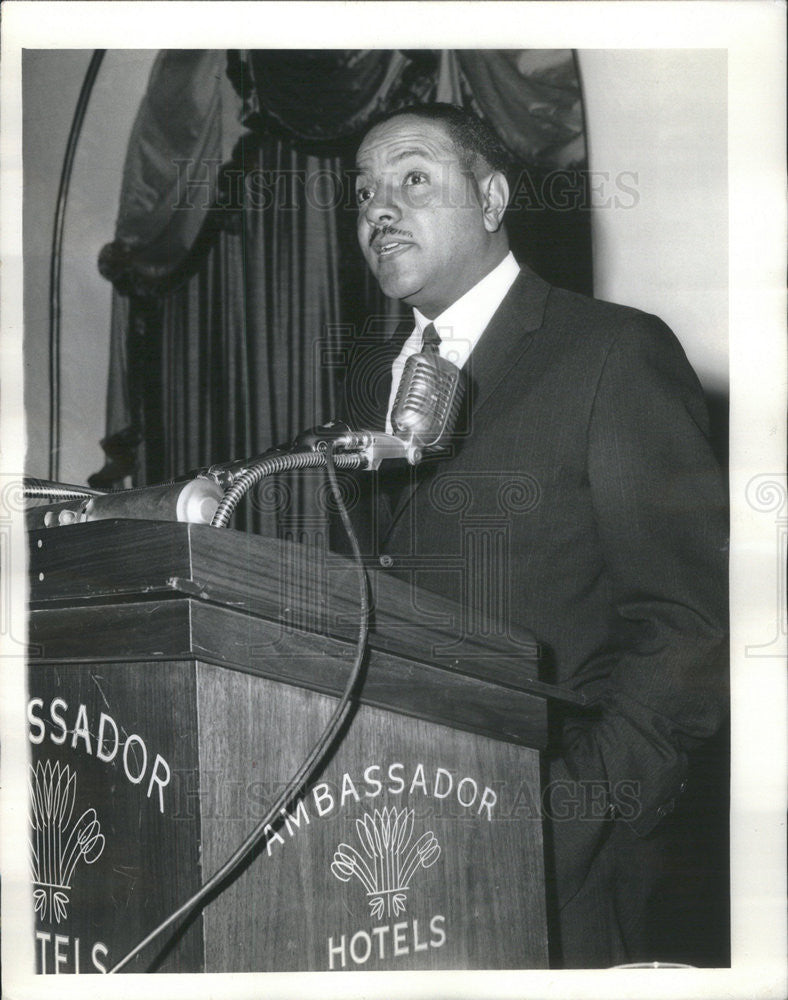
<point x="343" y="710"/>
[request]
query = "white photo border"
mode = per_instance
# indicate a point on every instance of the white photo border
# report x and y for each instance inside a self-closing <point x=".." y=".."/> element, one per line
<point x="753" y="34"/>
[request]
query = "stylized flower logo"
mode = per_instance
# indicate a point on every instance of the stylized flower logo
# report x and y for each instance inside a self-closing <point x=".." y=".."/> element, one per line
<point x="386" y="870"/>
<point x="57" y="844"/>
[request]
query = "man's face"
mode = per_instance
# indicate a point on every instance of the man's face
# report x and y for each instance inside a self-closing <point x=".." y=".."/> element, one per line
<point x="420" y="224"/>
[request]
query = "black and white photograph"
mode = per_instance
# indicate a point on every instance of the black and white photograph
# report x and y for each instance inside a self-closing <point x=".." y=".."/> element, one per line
<point x="393" y="499"/>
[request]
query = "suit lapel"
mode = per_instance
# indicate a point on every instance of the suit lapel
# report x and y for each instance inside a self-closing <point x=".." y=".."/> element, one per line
<point x="507" y="336"/>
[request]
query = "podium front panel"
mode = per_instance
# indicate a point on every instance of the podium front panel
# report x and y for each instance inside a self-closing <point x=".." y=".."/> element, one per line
<point x="417" y="847"/>
<point x="114" y="747"/>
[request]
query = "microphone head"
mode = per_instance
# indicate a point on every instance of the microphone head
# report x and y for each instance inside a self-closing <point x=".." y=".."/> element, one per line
<point x="428" y="401"/>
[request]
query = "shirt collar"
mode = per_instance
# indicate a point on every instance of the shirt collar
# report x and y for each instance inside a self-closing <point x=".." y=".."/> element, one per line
<point x="462" y="324"/>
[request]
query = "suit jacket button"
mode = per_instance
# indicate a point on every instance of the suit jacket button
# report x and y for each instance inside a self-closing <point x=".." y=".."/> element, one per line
<point x="386" y="562"/>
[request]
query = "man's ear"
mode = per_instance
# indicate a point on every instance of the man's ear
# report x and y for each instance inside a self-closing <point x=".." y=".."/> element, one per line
<point x="495" y="198"/>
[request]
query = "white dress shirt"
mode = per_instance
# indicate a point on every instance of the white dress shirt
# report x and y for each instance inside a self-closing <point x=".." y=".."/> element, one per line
<point x="461" y="325"/>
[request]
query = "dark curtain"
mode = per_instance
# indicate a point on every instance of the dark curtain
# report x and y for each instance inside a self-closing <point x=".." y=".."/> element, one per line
<point x="239" y="290"/>
<point x="247" y="340"/>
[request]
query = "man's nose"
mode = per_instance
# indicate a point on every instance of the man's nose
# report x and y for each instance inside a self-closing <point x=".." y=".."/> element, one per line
<point x="382" y="208"/>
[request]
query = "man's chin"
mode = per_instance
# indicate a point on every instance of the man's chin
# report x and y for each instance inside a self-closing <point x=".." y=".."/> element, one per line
<point x="396" y="287"/>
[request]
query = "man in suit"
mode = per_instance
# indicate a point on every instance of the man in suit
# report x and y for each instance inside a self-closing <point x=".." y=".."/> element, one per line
<point x="585" y="466"/>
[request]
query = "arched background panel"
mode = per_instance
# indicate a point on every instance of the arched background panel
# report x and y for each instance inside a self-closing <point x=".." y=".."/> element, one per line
<point x="52" y="79"/>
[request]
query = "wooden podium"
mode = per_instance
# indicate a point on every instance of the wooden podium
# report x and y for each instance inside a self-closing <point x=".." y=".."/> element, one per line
<point x="179" y="674"/>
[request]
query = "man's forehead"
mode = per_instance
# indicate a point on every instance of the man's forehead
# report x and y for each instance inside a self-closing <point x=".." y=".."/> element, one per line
<point x="398" y="138"/>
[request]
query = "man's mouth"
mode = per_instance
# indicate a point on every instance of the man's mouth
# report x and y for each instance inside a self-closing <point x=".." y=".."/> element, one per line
<point x="387" y="248"/>
<point x="388" y="241"/>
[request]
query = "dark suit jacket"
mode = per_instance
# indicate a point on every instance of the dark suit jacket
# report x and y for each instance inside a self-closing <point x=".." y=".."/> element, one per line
<point x="584" y="503"/>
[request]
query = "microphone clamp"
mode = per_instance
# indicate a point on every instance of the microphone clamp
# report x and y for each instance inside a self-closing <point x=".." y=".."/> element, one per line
<point x="373" y="446"/>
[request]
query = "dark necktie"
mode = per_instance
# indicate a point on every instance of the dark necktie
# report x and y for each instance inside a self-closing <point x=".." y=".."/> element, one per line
<point x="430" y="341"/>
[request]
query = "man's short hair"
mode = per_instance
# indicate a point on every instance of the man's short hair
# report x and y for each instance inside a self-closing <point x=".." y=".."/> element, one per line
<point x="472" y="138"/>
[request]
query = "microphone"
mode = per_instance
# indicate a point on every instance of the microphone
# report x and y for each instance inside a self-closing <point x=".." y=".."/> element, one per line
<point x="423" y="417"/>
<point x="427" y="402"/>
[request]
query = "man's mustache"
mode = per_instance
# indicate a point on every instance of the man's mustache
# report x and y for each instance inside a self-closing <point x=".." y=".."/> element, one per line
<point x="389" y="231"/>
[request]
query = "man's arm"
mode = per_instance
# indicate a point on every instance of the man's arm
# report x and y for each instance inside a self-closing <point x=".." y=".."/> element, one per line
<point x="662" y="518"/>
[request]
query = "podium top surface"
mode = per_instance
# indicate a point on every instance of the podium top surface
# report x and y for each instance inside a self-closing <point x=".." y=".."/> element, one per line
<point x="297" y="587"/>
